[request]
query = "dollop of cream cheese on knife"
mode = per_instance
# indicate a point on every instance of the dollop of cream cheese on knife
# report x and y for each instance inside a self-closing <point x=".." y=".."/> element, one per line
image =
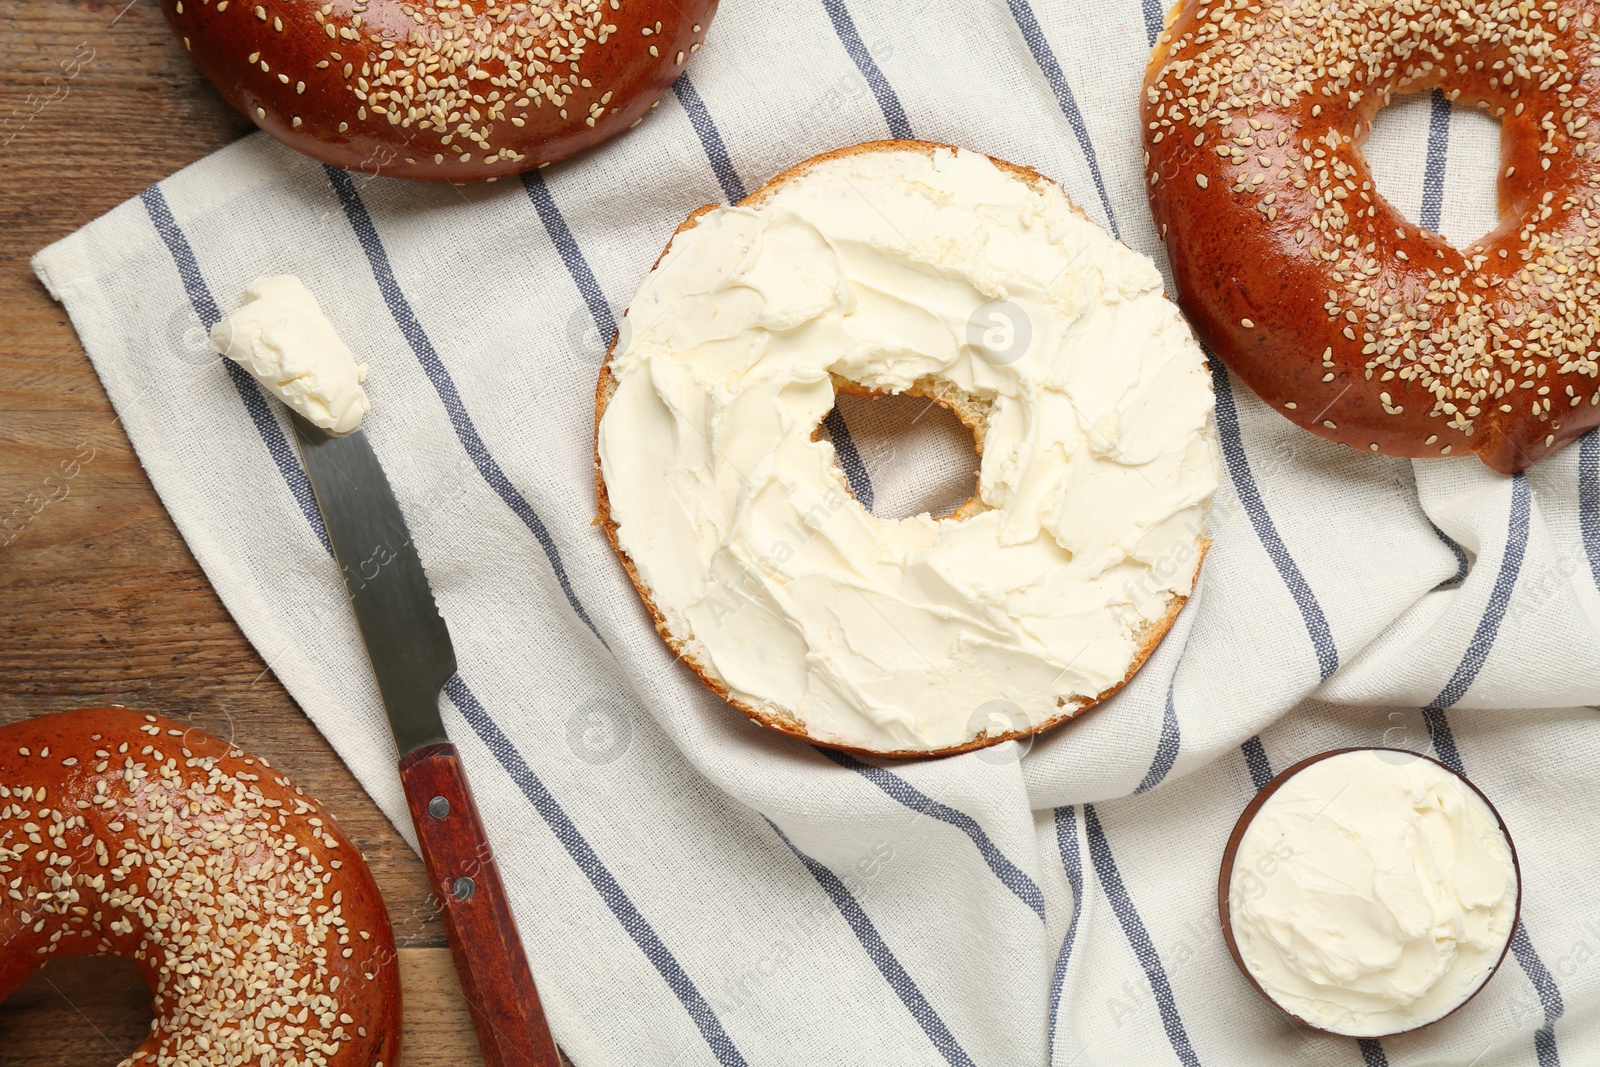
<point x="281" y="336"/>
<point x="1099" y="458"/>
<point x="1372" y="893"/>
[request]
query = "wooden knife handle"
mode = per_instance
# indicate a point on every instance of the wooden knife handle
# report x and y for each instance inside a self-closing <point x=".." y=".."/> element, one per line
<point x="512" y="1030"/>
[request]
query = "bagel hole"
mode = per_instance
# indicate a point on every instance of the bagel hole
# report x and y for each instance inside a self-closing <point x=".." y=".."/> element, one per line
<point x="1438" y="164"/>
<point x="902" y="455"/>
<point x="77" y="1009"/>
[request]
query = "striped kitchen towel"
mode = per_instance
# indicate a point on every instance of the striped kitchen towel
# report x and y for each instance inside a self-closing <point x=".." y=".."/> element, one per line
<point x="694" y="890"/>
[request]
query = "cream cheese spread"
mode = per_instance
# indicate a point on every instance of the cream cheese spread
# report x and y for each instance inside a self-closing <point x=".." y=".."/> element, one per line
<point x="280" y="335"/>
<point x="1372" y="893"/>
<point x="897" y="268"/>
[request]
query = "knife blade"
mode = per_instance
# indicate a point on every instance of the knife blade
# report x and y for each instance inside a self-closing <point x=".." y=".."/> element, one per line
<point x="407" y="640"/>
<point x="408" y="644"/>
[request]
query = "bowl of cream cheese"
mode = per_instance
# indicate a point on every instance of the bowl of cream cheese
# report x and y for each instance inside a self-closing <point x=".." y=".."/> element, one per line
<point x="1369" y="891"/>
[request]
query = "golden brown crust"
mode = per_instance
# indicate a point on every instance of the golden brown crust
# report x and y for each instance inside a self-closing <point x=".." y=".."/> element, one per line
<point x="254" y="919"/>
<point x="606" y="386"/>
<point x="1341" y="314"/>
<point x="326" y="78"/>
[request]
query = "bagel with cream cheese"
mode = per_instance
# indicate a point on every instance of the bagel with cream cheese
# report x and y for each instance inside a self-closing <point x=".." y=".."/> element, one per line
<point x="904" y="267"/>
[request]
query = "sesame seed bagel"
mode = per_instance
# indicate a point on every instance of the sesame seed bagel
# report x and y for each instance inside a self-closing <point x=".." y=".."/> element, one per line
<point x="254" y="919"/>
<point x="1340" y="313"/>
<point x="876" y="270"/>
<point x="445" y="90"/>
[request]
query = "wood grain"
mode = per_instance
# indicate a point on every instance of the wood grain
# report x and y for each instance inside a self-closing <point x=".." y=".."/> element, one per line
<point x="100" y="600"/>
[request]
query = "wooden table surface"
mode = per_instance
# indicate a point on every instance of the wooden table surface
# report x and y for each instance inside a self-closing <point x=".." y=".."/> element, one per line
<point x="100" y="600"/>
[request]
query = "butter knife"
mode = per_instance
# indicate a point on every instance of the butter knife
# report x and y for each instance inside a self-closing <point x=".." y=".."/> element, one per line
<point x="412" y="656"/>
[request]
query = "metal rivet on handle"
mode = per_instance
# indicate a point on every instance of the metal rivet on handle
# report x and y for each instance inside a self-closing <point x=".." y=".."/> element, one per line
<point x="439" y="807"/>
<point x="463" y="888"/>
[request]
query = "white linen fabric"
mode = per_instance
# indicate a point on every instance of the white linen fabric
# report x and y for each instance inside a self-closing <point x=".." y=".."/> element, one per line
<point x="694" y="890"/>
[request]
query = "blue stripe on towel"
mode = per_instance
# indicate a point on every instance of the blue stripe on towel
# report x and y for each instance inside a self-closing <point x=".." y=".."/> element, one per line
<point x="256" y="405"/>
<point x="1167" y="745"/>
<point x="589" y="862"/>
<point x="1488" y="626"/>
<point x="1105" y="867"/>
<point x="1444" y="743"/>
<point x="1154" y="20"/>
<point x="1372" y="1052"/>
<point x="710" y="139"/>
<point x="1244" y="482"/>
<point x="1589" y="499"/>
<point x="843" y="25"/>
<point x="405" y="318"/>
<point x="1046" y="59"/>
<point x="881" y="955"/>
<point x="1072" y="862"/>
<point x="571" y="255"/>
<point x="1255" y="757"/>
<point x="477" y="717"/>
<point x="1460" y="553"/>
<point x="896" y="787"/>
<point x="1433" y="170"/>
<point x="850" y="461"/>
<point x="1544" y="1038"/>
